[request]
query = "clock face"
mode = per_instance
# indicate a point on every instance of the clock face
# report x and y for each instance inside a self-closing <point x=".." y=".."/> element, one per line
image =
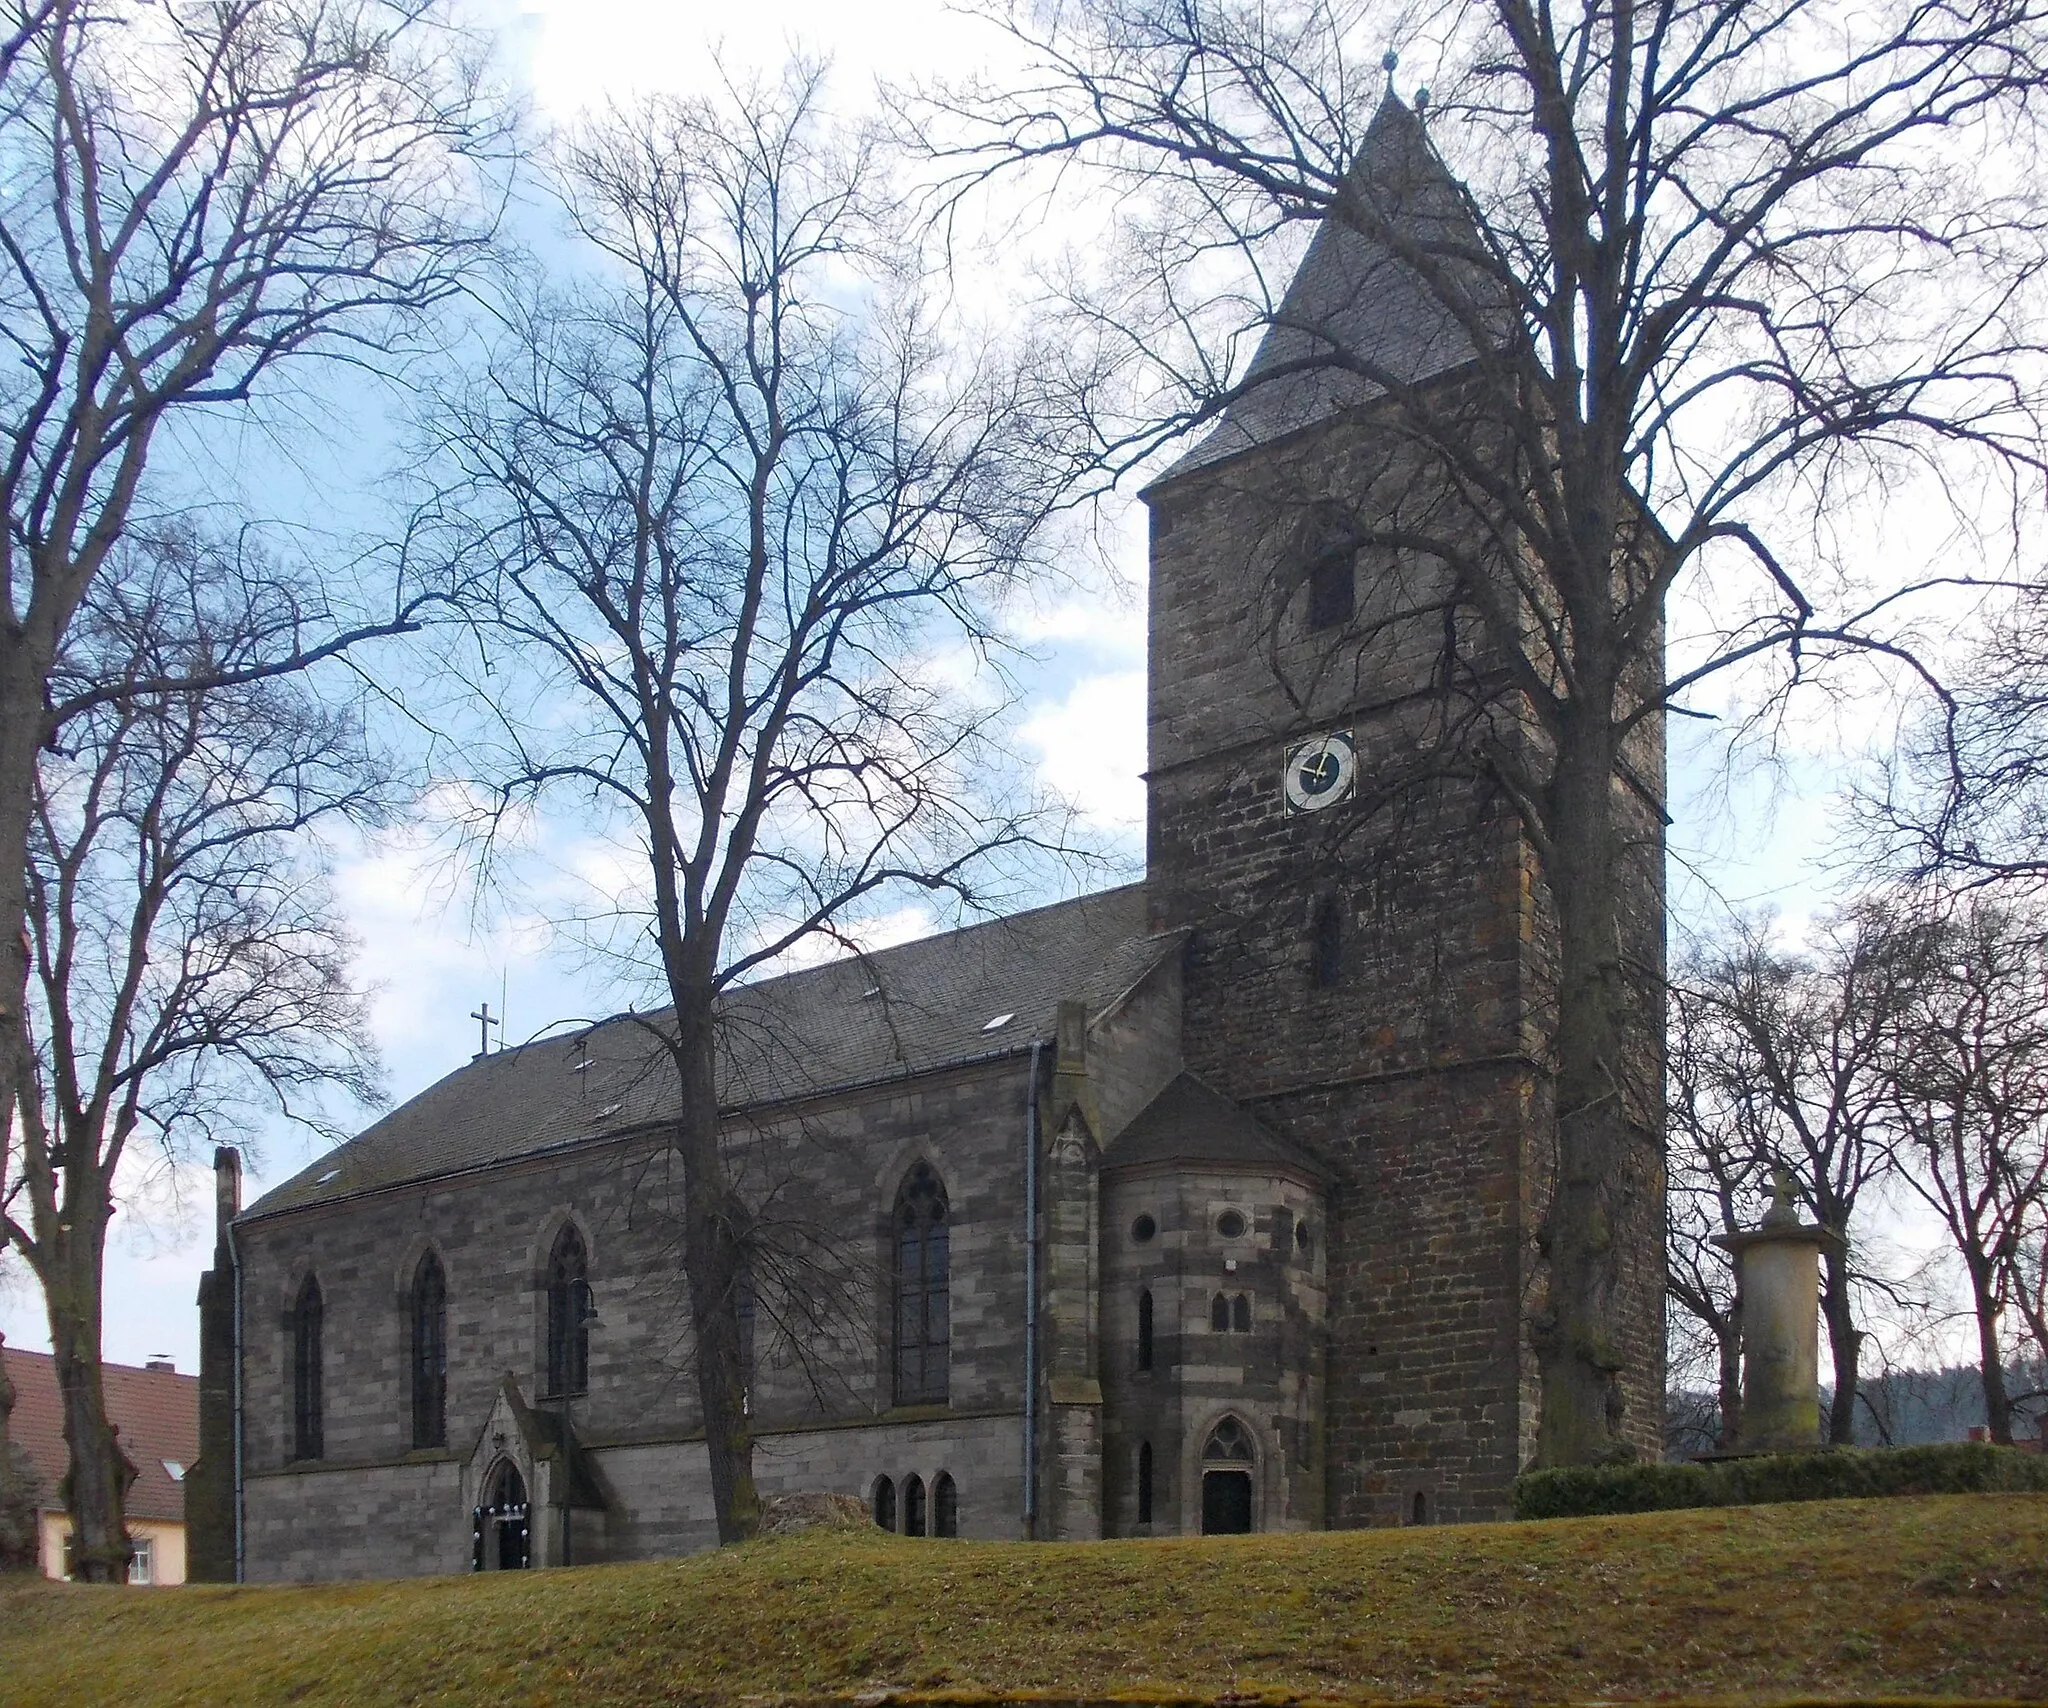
<point x="1320" y="771"/>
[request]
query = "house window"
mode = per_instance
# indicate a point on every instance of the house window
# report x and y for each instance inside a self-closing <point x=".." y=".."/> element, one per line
<point x="945" y="1506"/>
<point x="923" y="1269"/>
<point x="306" y="1372"/>
<point x="1326" y="957"/>
<point x="913" y="1506"/>
<point x="568" y="1314"/>
<point x="1241" y="1314"/>
<point x="429" y="1354"/>
<point x="142" y="1563"/>
<point x="1145" y="1482"/>
<point x="1219" y="1314"/>
<point x="1145" y="1329"/>
<point x="1332" y="586"/>
<point x="885" y="1503"/>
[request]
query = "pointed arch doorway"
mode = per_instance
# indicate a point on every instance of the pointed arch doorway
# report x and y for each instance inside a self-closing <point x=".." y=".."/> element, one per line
<point x="1227" y="1462"/>
<point x="503" y="1536"/>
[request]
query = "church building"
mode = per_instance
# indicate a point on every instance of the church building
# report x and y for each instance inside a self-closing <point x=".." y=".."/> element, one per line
<point x="1204" y="1204"/>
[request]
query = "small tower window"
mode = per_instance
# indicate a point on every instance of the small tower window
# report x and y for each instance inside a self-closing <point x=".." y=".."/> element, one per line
<point x="1241" y="1314"/>
<point x="913" y="1506"/>
<point x="1145" y="1482"/>
<point x="1145" y="1329"/>
<point x="1332" y="587"/>
<point x="1326" y="943"/>
<point x="945" y="1505"/>
<point x="1219" y="1314"/>
<point x="885" y="1503"/>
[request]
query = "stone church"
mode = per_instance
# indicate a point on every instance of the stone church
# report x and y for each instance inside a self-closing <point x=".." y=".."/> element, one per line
<point x="1203" y="1204"/>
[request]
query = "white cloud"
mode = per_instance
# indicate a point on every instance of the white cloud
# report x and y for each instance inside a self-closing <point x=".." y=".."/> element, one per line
<point x="1091" y="749"/>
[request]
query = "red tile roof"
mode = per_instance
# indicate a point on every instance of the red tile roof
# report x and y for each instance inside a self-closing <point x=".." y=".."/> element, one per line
<point x="156" y="1411"/>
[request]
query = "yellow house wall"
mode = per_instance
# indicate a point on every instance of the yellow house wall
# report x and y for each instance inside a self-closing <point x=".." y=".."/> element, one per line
<point x="167" y="1546"/>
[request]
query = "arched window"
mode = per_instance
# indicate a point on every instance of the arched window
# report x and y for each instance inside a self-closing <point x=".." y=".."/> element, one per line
<point x="429" y="1354"/>
<point x="945" y="1505"/>
<point x="1145" y="1329"/>
<point x="885" y="1503"/>
<point x="1241" y="1314"/>
<point x="1326" y="947"/>
<point x="307" y="1397"/>
<point x="913" y="1506"/>
<point x="1332" y="585"/>
<point x="1219" y="1314"/>
<point x="1228" y="1444"/>
<point x="1419" y="1512"/>
<point x="1145" y="1482"/>
<point x="923" y="1311"/>
<point x="568" y="1314"/>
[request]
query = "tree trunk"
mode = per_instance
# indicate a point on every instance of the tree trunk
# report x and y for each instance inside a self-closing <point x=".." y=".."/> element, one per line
<point x="1728" y="1343"/>
<point x="23" y="671"/>
<point x="712" y="1218"/>
<point x="96" y="1486"/>
<point x="1990" y="1360"/>
<point x="1845" y="1345"/>
<point x="1578" y="1329"/>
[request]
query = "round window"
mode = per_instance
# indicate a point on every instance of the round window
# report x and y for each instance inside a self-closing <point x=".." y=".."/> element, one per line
<point x="1143" y="1229"/>
<point x="1231" y="1224"/>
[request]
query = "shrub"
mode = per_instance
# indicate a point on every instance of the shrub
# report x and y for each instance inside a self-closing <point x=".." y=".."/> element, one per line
<point x="1841" y="1473"/>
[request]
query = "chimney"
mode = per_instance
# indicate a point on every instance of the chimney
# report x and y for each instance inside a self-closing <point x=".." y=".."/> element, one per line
<point x="161" y="1361"/>
<point x="227" y="1186"/>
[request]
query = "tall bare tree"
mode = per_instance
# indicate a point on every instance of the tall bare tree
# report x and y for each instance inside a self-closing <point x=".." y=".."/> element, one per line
<point x="189" y="965"/>
<point x="194" y="196"/>
<point x="1970" y="1102"/>
<point x="1732" y="266"/>
<point x="749" y="517"/>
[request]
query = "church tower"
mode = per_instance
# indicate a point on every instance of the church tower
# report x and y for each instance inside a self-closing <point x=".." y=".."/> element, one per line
<point x="1365" y="936"/>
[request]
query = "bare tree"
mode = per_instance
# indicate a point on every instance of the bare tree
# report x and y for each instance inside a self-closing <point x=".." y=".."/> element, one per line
<point x="189" y="965"/>
<point x="1797" y="1053"/>
<point x="749" y="517"/>
<point x="1970" y="1100"/>
<point x="1712" y="1168"/>
<point x="1721" y="270"/>
<point x="193" y="198"/>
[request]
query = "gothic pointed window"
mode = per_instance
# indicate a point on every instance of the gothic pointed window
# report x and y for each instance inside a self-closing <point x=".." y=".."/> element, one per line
<point x="568" y="1314"/>
<point x="429" y="1354"/>
<point x="923" y="1281"/>
<point x="308" y="1425"/>
<point x="1145" y="1329"/>
<point x="913" y="1506"/>
<point x="1333" y="585"/>
<point x="1241" y="1315"/>
<point x="1145" y="1482"/>
<point x="1219" y="1314"/>
<point x="885" y="1503"/>
<point x="945" y="1505"/>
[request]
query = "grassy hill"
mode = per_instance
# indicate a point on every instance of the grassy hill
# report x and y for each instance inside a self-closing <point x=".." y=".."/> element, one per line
<point x="1945" y="1597"/>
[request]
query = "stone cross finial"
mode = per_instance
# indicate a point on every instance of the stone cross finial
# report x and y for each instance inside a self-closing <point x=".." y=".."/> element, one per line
<point x="1784" y="1210"/>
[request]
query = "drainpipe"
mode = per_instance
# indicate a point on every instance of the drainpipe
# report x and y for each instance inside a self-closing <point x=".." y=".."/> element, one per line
<point x="1031" y="1298"/>
<point x="235" y="1265"/>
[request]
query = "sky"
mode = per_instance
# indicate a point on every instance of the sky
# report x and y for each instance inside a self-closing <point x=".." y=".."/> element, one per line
<point x="432" y="952"/>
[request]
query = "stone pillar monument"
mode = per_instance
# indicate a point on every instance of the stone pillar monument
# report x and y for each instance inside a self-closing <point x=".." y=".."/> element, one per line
<point x="1778" y="1285"/>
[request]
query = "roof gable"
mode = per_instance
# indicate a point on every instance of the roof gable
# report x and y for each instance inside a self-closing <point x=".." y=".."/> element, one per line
<point x="1192" y="1122"/>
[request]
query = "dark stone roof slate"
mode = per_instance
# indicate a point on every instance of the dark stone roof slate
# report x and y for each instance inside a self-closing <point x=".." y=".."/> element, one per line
<point x="1351" y="294"/>
<point x="1191" y="1122"/>
<point x="859" y="1021"/>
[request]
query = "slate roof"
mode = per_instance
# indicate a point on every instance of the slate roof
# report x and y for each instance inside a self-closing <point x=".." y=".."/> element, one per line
<point x="1351" y="294"/>
<point x="156" y="1411"/>
<point x="1191" y="1122"/>
<point x="859" y="1021"/>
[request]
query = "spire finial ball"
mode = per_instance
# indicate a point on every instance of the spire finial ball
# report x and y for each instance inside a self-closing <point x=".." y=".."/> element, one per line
<point x="1390" y="62"/>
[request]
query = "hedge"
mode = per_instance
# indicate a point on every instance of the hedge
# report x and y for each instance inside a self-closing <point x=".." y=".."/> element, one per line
<point x="1841" y="1473"/>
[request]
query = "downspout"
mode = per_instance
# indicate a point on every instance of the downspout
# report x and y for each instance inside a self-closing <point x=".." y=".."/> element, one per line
<point x="1031" y="1298"/>
<point x="235" y="1266"/>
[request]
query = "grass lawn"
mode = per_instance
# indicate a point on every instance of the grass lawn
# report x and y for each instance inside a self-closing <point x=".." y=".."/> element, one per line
<point x="1937" y="1598"/>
